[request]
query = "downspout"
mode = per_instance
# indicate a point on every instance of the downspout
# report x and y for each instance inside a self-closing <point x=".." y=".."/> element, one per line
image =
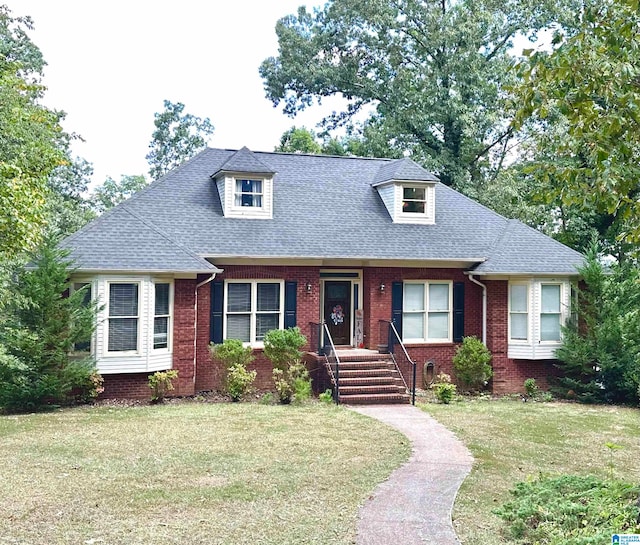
<point x="484" y="307"/>
<point x="195" y="326"/>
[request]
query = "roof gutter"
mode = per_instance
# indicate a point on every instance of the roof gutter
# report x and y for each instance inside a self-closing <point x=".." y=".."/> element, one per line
<point x="195" y="324"/>
<point x="484" y="307"/>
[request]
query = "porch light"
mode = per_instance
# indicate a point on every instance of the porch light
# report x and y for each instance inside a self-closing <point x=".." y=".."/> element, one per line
<point x="382" y="287"/>
<point x="308" y="286"/>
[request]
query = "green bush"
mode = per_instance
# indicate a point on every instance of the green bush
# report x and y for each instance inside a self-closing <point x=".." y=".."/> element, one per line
<point x="471" y="363"/>
<point x="326" y="396"/>
<point x="160" y="383"/>
<point x="290" y="376"/>
<point x="531" y="388"/>
<point x="443" y="389"/>
<point x="571" y="510"/>
<point x="43" y="321"/>
<point x="282" y="347"/>
<point x="238" y="382"/>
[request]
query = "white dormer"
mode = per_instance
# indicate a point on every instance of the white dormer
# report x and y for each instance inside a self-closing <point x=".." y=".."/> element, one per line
<point x="245" y="186"/>
<point x="408" y="192"/>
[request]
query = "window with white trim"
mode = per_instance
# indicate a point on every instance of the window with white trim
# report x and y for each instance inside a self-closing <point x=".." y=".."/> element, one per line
<point x="426" y="312"/>
<point x="252" y="308"/>
<point x="85" y="287"/>
<point x="161" y="315"/>
<point x="248" y="193"/>
<point x="414" y="200"/>
<point x="519" y="312"/>
<point x="123" y="317"/>
<point x="550" y="312"/>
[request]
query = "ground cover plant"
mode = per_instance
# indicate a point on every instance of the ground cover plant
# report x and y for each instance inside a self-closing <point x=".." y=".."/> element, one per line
<point x="191" y="473"/>
<point x="515" y="442"/>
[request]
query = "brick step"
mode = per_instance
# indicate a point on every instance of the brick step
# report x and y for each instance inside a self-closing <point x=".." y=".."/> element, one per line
<point x="372" y="389"/>
<point x="367" y="381"/>
<point x="366" y="364"/>
<point x="369" y="357"/>
<point x="371" y="372"/>
<point x="371" y="399"/>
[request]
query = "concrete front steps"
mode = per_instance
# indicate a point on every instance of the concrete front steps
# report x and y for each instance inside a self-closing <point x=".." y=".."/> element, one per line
<point x="369" y="379"/>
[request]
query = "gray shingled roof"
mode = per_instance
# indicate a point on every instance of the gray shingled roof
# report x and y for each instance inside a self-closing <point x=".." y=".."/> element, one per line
<point x="323" y="207"/>
<point x="245" y="161"/>
<point x="402" y="169"/>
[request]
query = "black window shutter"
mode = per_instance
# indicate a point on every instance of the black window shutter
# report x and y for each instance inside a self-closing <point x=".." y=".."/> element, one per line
<point x="396" y="309"/>
<point x="458" y="311"/>
<point x="290" y="304"/>
<point x="217" y="311"/>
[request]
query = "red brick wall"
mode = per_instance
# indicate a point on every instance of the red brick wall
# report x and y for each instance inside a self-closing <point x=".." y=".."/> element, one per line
<point x="126" y="386"/>
<point x="509" y="374"/>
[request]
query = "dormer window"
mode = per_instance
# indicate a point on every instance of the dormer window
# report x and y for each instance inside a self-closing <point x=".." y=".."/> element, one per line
<point x="414" y="200"/>
<point x="249" y="193"/>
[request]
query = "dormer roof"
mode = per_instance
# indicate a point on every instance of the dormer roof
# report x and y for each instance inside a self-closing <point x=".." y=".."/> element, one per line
<point x="244" y="160"/>
<point x="402" y="170"/>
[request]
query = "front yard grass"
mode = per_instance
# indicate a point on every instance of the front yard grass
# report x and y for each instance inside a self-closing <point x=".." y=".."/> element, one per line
<point x="191" y="473"/>
<point x="512" y="441"/>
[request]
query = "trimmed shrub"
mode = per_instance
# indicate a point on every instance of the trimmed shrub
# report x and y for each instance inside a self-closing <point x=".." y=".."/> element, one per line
<point x="443" y="389"/>
<point x="471" y="363"/>
<point x="290" y="376"/>
<point x="160" y="383"/>
<point x="238" y="381"/>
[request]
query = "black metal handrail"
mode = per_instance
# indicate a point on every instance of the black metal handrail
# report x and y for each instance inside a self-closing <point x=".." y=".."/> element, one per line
<point x="333" y="361"/>
<point x="393" y="340"/>
<point x="321" y="338"/>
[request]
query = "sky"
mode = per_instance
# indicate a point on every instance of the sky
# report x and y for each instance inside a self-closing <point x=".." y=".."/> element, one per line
<point x="110" y="66"/>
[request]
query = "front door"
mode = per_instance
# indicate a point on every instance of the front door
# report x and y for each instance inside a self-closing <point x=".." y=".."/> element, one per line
<point x="337" y="310"/>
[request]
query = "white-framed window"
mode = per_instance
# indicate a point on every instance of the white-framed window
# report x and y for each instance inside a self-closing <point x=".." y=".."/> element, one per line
<point x="414" y="200"/>
<point x="550" y="312"/>
<point x="426" y="311"/>
<point x="123" y="316"/>
<point x="519" y="312"/>
<point x="253" y="307"/>
<point x="162" y="315"/>
<point x="83" y="347"/>
<point x="248" y="192"/>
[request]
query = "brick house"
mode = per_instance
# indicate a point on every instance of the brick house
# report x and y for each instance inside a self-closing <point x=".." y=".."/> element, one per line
<point x="234" y="243"/>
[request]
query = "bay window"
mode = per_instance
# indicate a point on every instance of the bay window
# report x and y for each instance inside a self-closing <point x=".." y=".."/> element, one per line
<point x="161" y="315"/>
<point x="550" y="312"/>
<point x="519" y="312"/>
<point x="252" y="309"/>
<point x="123" y="317"/>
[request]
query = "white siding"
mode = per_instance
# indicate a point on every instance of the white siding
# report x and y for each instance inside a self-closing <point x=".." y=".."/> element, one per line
<point x="220" y="184"/>
<point x="387" y="193"/>
<point x="392" y="197"/>
<point x="247" y="212"/>
<point x="146" y="358"/>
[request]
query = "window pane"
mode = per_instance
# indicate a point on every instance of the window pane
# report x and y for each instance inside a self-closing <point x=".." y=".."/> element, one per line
<point x="550" y="298"/>
<point x="239" y="327"/>
<point x="438" y="325"/>
<point x="413" y="297"/>
<point x="268" y="297"/>
<point x="518" y="298"/>
<point x="413" y="326"/>
<point x="160" y="332"/>
<point x="519" y="326"/>
<point x="417" y="193"/>
<point x="86" y="289"/>
<point x="264" y="323"/>
<point x="162" y="299"/>
<point x="238" y="298"/>
<point x="550" y="327"/>
<point x="415" y="207"/>
<point x="438" y="296"/>
<point x="123" y="299"/>
<point x="123" y="334"/>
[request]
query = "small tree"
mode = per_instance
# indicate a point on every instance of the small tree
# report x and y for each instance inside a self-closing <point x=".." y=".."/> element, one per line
<point x="45" y="320"/>
<point x="235" y="357"/>
<point x="471" y="363"/>
<point x="290" y="376"/>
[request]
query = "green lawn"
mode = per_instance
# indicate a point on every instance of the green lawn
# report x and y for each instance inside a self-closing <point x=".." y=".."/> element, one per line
<point x="190" y="473"/>
<point x="512" y="441"/>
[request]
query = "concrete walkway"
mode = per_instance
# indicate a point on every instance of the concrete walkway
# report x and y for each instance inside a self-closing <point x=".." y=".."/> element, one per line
<point x="414" y="505"/>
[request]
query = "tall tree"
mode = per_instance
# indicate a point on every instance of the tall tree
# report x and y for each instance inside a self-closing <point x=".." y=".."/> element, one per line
<point x="177" y="137"/>
<point x="299" y="140"/>
<point x="583" y="100"/>
<point x="31" y="138"/>
<point x="112" y="193"/>
<point x="432" y="73"/>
